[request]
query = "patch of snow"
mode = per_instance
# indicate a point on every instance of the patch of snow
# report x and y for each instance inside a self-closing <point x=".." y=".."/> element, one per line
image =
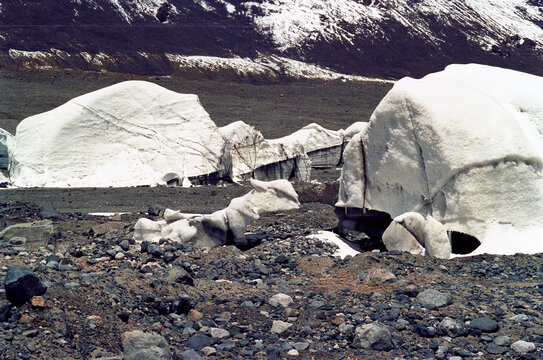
<point x="464" y="145"/>
<point x="291" y="22"/>
<point x="345" y="248"/>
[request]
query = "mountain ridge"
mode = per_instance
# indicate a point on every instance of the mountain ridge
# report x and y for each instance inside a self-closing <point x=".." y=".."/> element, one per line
<point x="375" y="38"/>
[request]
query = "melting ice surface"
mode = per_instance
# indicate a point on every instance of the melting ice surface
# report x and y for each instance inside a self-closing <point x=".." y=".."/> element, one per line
<point x="464" y="145"/>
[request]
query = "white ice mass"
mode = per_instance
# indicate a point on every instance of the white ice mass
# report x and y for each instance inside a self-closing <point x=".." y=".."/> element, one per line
<point x="138" y="133"/>
<point x="5" y="140"/>
<point x="463" y="145"/>
<point x="225" y="226"/>
<point x="131" y="133"/>
<point x="261" y="159"/>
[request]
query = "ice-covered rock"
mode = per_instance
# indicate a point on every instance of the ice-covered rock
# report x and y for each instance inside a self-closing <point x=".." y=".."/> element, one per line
<point x="223" y="226"/>
<point x="5" y="140"/>
<point x="464" y="145"/>
<point x="131" y="133"/>
<point x="261" y="159"/>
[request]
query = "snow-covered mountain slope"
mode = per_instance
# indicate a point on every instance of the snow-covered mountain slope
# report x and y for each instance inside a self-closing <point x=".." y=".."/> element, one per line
<point x="384" y="38"/>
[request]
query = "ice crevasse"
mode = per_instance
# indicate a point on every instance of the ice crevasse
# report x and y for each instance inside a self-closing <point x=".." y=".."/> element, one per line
<point x="464" y="145"/>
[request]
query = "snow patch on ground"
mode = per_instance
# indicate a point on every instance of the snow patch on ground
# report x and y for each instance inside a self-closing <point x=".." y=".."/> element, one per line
<point x="345" y="248"/>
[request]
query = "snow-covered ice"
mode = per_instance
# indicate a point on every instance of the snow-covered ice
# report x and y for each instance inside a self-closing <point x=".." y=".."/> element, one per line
<point x="464" y="145"/>
<point x="261" y="159"/>
<point x="5" y="142"/>
<point x="131" y="133"/>
<point x="223" y="226"/>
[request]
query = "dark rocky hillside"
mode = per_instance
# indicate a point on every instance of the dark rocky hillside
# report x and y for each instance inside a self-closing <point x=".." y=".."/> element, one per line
<point x="385" y="38"/>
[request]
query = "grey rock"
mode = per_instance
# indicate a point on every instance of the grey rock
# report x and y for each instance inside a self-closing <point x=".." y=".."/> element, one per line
<point x="401" y="324"/>
<point x="484" y="324"/>
<point x="72" y="285"/>
<point x="523" y="347"/>
<point x="280" y="299"/>
<point x="452" y="327"/>
<point x="432" y="299"/>
<point x="21" y="284"/>
<point x="520" y="318"/>
<point x="187" y="355"/>
<point x="502" y="340"/>
<point x="218" y="333"/>
<point x="36" y="233"/>
<point x="494" y="349"/>
<point x="138" y="345"/>
<point x="373" y="336"/>
<point x="179" y="275"/>
<point x="279" y="327"/>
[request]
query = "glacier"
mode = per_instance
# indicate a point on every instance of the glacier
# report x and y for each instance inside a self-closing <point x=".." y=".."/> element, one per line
<point x="138" y="133"/>
<point x="464" y="145"/>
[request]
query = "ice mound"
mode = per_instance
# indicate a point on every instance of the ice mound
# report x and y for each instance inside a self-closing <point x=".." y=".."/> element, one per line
<point x="261" y="159"/>
<point x="131" y="133"/>
<point x="225" y="226"/>
<point x="463" y="145"/>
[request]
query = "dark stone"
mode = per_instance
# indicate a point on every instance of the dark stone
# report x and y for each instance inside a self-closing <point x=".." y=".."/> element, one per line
<point x="125" y="245"/>
<point x="154" y="250"/>
<point x="424" y="331"/>
<point x="281" y="259"/>
<point x="124" y="316"/>
<point x="21" y="284"/>
<point x="186" y="355"/>
<point x="198" y="342"/>
<point x="156" y="210"/>
<point x="5" y="312"/>
<point x="163" y="12"/>
<point x="183" y="304"/>
<point x="495" y="349"/>
<point x="485" y="324"/>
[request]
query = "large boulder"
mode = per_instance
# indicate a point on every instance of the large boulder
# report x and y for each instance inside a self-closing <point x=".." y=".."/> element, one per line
<point x="21" y="284"/>
<point x="131" y="133"/>
<point x="464" y="145"/>
<point x="37" y="233"/>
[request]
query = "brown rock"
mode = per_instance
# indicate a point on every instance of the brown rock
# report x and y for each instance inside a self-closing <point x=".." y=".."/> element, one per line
<point x="38" y="302"/>
<point x="338" y="320"/>
<point x="194" y="315"/>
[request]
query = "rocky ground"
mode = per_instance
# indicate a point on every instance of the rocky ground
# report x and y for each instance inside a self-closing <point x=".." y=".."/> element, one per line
<point x="287" y="297"/>
<point x="99" y="295"/>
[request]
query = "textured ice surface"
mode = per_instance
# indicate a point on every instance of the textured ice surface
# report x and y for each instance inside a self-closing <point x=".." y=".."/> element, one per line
<point x="131" y="133"/>
<point x="464" y="145"/>
<point x="223" y="226"/>
<point x="5" y="140"/>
